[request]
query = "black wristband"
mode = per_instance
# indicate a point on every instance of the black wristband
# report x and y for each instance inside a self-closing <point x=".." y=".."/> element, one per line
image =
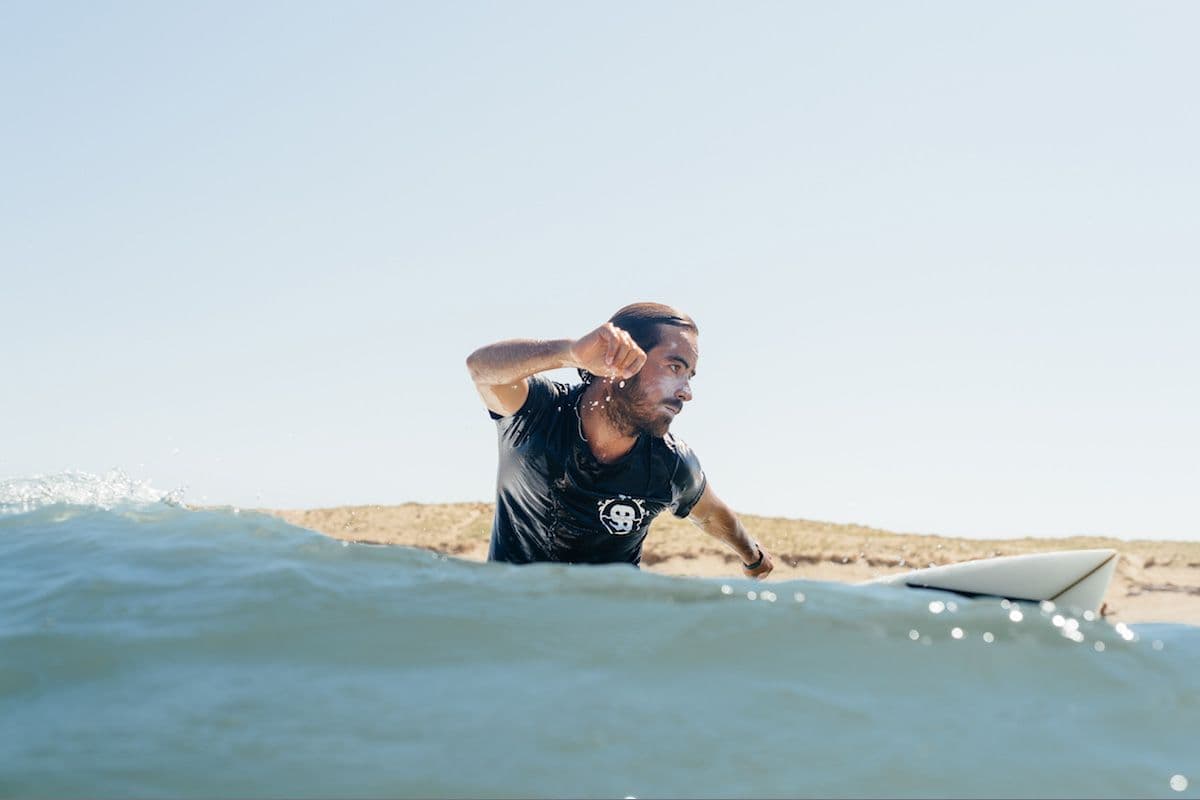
<point x="758" y="563"/>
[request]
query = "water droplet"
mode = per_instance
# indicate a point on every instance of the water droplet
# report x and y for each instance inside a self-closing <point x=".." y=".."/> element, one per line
<point x="1015" y="615"/>
<point x="1098" y="647"/>
<point x="989" y="637"/>
<point x="1179" y="783"/>
<point x="768" y="596"/>
<point x="1157" y="644"/>
<point x="956" y="633"/>
<point x="937" y="607"/>
<point x="751" y="595"/>
<point x="914" y="634"/>
<point x="726" y="589"/>
<point x="799" y="597"/>
<point x="621" y="384"/>
<point x="952" y="606"/>
<point x="1047" y="606"/>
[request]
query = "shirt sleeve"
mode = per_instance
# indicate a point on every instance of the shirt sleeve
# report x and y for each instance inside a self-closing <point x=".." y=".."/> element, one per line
<point x="544" y="400"/>
<point x="688" y="482"/>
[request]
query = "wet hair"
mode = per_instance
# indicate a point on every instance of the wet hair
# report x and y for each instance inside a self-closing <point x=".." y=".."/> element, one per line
<point x="643" y="322"/>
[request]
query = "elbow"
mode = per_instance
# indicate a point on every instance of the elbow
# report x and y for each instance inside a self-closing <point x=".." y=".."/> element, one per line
<point x="473" y="365"/>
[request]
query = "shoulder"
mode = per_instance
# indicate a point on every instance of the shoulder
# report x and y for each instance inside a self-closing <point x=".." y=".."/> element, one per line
<point x="543" y="393"/>
<point x="687" y="477"/>
<point x="679" y="448"/>
<point x="681" y="461"/>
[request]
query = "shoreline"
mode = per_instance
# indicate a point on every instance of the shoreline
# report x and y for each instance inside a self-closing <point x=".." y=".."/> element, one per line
<point x="1155" y="581"/>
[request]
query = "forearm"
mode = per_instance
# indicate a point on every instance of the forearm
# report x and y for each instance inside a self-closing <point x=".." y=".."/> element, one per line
<point x="516" y="359"/>
<point x="729" y="529"/>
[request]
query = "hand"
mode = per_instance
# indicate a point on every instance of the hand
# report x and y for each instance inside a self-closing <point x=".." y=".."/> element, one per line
<point x="763" y="568"/>
<point x="608" y="351"/>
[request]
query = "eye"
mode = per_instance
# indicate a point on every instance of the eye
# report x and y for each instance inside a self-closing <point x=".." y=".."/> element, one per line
<point x="674" y="367"/>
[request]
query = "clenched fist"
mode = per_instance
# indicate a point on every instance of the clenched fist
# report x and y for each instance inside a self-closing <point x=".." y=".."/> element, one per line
<point x="609" y="352"/>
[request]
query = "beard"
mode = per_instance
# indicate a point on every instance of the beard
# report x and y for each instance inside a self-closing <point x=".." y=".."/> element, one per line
<point x="631" y="412"/>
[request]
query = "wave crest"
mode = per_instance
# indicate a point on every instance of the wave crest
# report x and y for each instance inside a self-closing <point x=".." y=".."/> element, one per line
<point x="112" y="490"/>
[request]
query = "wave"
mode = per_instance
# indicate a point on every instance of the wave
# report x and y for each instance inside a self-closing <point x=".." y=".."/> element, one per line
<point x="146" y="642"/>
<point x="111" y="490"/>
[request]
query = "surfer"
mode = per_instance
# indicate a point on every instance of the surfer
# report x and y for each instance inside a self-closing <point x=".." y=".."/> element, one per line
<point x="584" y="468"/>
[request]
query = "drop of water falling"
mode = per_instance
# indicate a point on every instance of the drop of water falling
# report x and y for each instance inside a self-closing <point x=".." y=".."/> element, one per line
<point x="1179" y="783"/>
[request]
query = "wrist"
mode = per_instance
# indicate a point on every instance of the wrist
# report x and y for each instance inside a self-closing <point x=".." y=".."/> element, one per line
<point x="566" y="353"/>
<point x="756" y="558"/>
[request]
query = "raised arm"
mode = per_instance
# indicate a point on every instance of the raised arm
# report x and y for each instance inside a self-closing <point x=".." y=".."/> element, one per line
<point x="501" y="370"/>
<point x="712" y="516"/>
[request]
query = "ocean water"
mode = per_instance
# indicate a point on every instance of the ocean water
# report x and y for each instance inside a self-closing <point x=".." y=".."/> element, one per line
<point x="148" y="650"/>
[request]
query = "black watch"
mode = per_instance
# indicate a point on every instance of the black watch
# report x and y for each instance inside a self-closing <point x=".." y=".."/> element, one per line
<point x="758" y="563"/>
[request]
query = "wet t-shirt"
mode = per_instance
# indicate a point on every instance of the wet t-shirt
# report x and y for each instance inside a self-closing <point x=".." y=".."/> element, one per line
<point x="556" y="502"/>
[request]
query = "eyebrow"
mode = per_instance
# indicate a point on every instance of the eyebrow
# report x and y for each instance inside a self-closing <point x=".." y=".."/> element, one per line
<point x="683" y="361"/>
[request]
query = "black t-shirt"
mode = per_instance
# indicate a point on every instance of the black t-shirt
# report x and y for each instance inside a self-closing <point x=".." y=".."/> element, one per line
<point x="556" y="502"/>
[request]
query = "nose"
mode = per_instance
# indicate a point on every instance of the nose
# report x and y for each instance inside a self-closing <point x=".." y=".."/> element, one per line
<point x="684" y="393"/>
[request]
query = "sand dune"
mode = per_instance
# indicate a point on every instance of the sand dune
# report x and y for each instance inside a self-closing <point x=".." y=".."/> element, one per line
<point x="1156" y="581"/>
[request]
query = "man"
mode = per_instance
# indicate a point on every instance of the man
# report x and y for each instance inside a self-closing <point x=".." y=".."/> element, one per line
<point x="585" y="468"/>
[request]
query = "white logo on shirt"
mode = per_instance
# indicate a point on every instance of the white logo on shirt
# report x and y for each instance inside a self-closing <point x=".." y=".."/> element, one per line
<point x="621" y="515"/>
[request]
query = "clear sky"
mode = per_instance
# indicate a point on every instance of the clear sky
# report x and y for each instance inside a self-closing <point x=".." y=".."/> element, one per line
<point x="943" y="255"/>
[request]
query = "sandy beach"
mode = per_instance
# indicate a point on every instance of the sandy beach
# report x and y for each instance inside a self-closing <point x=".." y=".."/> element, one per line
<point x="1156" y="581"/>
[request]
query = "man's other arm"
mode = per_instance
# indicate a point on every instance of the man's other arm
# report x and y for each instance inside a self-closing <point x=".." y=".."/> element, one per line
<point x="712" y="516"/>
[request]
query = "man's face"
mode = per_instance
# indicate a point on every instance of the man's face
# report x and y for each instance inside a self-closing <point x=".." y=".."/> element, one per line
<point x="650" y="400"/>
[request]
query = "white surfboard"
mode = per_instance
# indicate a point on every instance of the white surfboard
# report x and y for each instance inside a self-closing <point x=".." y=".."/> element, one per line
<point x="1073" y="578"/>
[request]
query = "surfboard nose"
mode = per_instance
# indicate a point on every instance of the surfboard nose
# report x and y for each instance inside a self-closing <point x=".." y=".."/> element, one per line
<point x="1088" y="591"/>
<point x="1075" y="578"/>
